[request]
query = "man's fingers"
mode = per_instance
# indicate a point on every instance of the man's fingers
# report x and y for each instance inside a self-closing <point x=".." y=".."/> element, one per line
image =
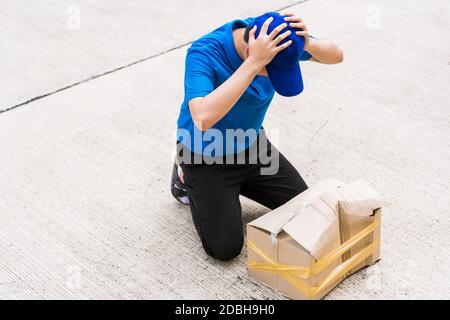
<point x="265" y="26"/>
<point x="293" y="18"/>
<point x="284" y="46"/>
<point x="286" y="14"/>
<point x="277" y="30"/>
<point x="299" y="25"/>
<point x="302" y="33"/>
<point x="282" y="36"/>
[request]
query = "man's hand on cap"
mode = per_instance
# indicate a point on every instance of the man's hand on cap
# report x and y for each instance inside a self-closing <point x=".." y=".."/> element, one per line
<point x="298" y="23"/>
<point x="264" y="48"/>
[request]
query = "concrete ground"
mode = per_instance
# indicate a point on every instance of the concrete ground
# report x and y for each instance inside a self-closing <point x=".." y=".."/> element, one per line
<point x="90" y="92"/>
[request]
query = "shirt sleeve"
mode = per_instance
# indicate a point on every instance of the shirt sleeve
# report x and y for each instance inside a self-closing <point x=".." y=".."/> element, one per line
<point x="199" y="76"/>
<point x="305" y="56"/>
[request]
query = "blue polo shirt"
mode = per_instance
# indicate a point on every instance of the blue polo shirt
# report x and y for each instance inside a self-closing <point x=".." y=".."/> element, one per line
<point x="210" y="61"/>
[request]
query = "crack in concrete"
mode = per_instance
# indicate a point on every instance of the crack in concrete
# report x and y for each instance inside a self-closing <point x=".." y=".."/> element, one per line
<point x="94" y="77"/>
<point x="3" y="110"/>
<point x="321" y="127"/>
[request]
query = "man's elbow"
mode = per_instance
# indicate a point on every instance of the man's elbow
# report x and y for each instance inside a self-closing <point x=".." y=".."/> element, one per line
<point x="339" y="56"/>
<point x="198" y="114"/>
<point x="201" y="123"/>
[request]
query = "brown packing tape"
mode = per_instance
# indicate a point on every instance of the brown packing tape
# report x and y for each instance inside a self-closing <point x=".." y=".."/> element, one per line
<point x="343" y="269"/>
<point x="337" y="273"/>
<point x="294" y="274"/>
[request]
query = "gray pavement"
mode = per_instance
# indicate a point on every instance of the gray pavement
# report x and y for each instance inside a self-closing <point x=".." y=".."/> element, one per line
<point x="85" y="205"/>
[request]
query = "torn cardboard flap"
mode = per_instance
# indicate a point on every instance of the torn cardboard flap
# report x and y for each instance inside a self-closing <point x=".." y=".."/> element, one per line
<point x="275" y="220"/>
<point x="358" y="199"/>
<point x="316" y="228"/>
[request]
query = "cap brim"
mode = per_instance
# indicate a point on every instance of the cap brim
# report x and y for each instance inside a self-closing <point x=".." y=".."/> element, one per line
<point x="287" y="82"/>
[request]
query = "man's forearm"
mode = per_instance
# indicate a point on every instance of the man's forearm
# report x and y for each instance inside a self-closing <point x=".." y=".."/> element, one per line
<point x="325" y="51"/>
<point x="208" y="110"/>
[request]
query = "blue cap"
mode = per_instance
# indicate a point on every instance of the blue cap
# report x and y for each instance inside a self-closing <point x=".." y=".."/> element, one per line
<point x="284" y="70"/>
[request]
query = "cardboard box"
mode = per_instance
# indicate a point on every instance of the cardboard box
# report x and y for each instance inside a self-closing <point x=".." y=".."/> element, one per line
<point x="309" y="245"/>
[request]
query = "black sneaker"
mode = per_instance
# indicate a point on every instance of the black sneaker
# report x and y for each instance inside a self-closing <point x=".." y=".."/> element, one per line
<point x="177" y="187"/>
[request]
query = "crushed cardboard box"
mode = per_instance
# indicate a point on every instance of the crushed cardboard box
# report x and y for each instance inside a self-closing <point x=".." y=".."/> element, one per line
<point x="310" y="244"/>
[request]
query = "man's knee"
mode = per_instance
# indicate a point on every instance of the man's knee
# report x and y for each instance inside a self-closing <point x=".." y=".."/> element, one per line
<point x="225" y="250"/>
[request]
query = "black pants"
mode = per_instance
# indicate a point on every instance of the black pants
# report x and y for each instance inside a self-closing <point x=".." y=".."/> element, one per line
<point x="214" y="189"/>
